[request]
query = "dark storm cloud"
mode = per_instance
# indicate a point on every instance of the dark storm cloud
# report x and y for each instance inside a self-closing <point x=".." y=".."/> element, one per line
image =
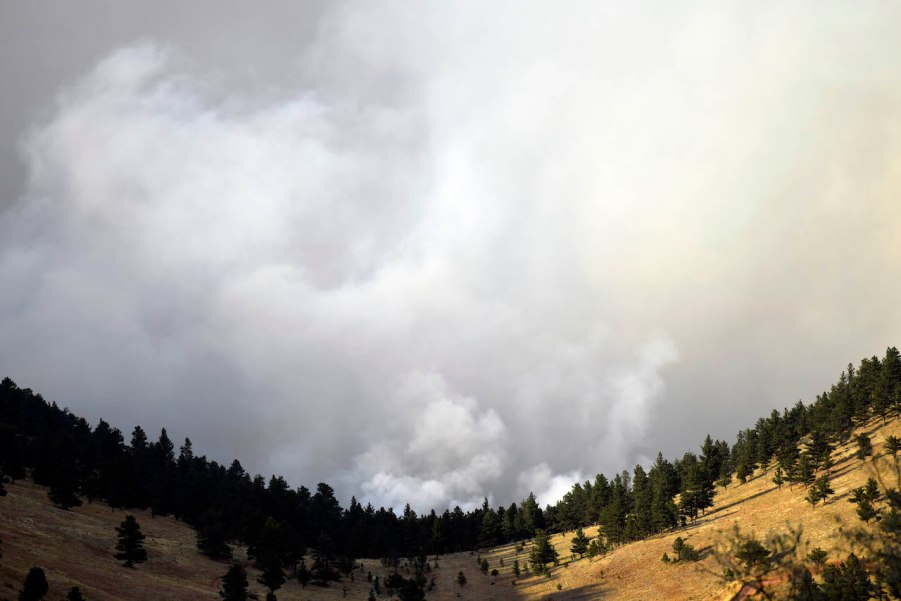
<point x="433" y="254"/>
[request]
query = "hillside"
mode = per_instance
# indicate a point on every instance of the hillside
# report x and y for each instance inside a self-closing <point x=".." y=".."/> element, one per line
<point x="75" y="549"/>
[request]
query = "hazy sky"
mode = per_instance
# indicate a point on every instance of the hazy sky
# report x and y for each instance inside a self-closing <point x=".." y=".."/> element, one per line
<point x="430" y="252"/>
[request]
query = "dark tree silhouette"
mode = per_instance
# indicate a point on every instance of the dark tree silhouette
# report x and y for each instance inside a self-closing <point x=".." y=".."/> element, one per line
<point x="75" y="594"/>
<point x="130" y="545"/>
<point x="234" y="584"/>
<point x="35" y="586"/>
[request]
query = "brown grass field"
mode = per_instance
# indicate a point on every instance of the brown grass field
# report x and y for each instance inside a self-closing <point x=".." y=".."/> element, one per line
<point x="75" y="548"/>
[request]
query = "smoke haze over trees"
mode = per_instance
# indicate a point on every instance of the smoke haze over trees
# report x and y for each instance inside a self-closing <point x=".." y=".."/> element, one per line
<point x="433" y="254"/>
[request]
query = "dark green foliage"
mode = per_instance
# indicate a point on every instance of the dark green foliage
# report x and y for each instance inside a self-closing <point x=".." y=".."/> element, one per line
<point x="234" y="584"/>
<point x="64" y="488"/>
<point x="74" y="594"/>
<point x="683" y="551"/>
<point x="778" y="477"/>
<point x="864" y="446"/>
<point x="130" y="545"/>
<point x="818" y="556"/>
<point x="580" y="543"/>
<point x="271" y="574"/>
<point x="752" y="553"/>
<point x="461" y="578"/>
<point x="805" y="588"/>
<point x="893" y="446"/>
<point x="35" y="586"/>
<point x="212" y="541"/>
<point x="483" y="566"/>
<point x="847" y="582"/>
<point x="543" y="552"/>
<point x="224" y="503"/>
<point x="516" y="570"/>
<point x="820" y="490"/>
<point x="804" y="471"/>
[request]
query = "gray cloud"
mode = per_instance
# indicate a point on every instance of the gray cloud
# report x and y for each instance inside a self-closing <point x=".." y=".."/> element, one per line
<point x="452" y="254"/>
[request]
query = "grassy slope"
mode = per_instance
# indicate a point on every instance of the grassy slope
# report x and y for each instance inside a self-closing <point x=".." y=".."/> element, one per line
<point x="635" y="572"/>
<point x="75" y="549"/>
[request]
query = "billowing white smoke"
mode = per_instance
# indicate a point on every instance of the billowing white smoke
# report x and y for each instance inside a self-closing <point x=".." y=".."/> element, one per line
<point x="344" y="297"/>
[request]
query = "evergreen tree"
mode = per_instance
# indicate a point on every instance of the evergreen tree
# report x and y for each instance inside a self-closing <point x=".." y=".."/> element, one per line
<point x="864" y="446"/>
<point x="684" y="551"/>
<point x="35" y="586"/>
<point x="848" y="581"/>
<point x="212" y="541"/>
<point x="234" y="584"/>
<point x="63" y="489"/>
<point x="74" y="594"/>
<point x="803" y="472"/>
<point x="580" y="543"/>
<point x="778" y="477"/>
<point x="130" y="545"/>
<point x="820" y="490"/>
<point x="892" y="446"/>
<point x="461" y="578"/>
<point x="271" y="574"/>
<point x="543" y="552"/>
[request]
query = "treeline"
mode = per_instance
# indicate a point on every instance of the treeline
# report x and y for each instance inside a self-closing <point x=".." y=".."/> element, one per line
<point x="227" y="505"/>
<point x="797" y="441"/>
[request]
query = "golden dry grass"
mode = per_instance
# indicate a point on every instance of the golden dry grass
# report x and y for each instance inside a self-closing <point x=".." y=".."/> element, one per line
<point x="635" y="571"/>
<point x="75" y="548"/>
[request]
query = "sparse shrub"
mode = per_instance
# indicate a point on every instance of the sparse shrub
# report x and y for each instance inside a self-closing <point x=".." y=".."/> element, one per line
<point x="665" y="558"/>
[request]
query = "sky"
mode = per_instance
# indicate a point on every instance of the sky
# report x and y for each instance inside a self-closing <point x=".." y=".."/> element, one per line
<point x="434" y="252"/>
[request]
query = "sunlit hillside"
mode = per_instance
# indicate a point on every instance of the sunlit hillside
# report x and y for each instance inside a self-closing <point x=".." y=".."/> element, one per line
<point x="75" y="548"/>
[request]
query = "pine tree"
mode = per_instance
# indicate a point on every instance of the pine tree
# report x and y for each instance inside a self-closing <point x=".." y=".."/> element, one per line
<point x="864" y="446"/>
<point x="212" y="541"/>
<point x="74" y="594"/>
<point x="892" y="446"/>
<point x="778" y="477"/>
<point x="63" y="489"/>
<point x="130" y="545"/>
<point x="819" y="491"/>
<point x="543" y="552"/>
<point x="848" y="581"/>
<point x="461" y="578"/>
<point x="579" y="543"/>
<point x="35" y="586"/>
<point x="684" y="551"/>
<point x="234" y="584"/>
<point x="803" y="473"/>
<point x="271" y="574"/>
